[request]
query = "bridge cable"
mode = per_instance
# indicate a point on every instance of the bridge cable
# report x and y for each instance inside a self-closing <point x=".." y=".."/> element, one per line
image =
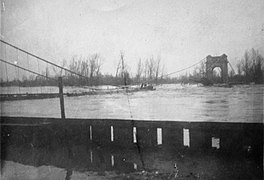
<point x="42" y="59"/>
<point x="231" y="66"/>
<point x="33" y="72"/>
<point x="192" y="66"/>
<point x="184" y="68"/>
<point x="181" y="69"/>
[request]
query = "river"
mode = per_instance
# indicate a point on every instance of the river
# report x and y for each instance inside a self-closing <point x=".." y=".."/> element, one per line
<point x="241" y="103"/>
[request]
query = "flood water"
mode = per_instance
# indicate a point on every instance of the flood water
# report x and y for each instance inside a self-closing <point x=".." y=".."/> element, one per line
<point x="168" y="102"/>
<point x="80" y="162"/>
<point x="27" y="153"/>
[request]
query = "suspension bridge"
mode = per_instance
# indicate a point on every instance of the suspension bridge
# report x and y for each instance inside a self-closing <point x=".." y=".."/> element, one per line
<point x="20" y="69"/>
<point x="50" y="135"/>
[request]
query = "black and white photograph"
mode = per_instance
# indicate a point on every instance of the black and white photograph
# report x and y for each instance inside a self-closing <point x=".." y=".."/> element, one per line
<point x="131" y="89"/>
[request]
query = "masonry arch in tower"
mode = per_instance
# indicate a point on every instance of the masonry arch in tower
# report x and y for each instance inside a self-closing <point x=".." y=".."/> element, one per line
<point x="217" y="61"/>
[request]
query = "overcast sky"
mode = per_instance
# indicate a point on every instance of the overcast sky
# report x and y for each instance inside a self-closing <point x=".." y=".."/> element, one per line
<point x="180" y="32"/>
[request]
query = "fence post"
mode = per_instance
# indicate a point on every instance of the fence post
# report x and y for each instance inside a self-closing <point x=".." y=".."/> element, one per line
<point x="61" y="98"/>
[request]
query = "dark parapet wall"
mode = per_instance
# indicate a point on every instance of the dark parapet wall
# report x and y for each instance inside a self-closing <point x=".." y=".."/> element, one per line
<point x="231" y="138"/>
<point x="207" y="149"/>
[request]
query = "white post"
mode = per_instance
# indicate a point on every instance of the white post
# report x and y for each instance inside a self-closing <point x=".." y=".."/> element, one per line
<point x="186" y="137"/>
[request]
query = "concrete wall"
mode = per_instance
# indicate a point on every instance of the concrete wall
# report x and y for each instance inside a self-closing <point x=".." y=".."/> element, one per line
<point x="229" y="138"/>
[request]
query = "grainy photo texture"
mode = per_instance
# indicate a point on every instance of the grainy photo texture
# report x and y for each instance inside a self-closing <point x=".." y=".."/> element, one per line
<point x="131" y="89"/>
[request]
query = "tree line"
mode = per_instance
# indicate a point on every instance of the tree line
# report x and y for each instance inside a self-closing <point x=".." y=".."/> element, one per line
<point x="90" y="74"/>
<point x="249" y="69"/>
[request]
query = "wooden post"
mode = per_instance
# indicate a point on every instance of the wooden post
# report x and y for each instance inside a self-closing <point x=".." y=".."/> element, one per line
<point x="61" y="98"/>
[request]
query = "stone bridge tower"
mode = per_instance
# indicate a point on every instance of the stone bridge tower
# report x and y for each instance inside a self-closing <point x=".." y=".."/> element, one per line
<point x="217" y="61"/>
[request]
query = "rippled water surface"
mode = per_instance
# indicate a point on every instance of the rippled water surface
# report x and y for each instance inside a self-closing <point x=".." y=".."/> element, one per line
<point x="168" y="102"/>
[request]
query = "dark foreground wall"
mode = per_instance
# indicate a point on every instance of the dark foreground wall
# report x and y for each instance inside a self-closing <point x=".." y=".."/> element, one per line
<point x="209" y="150"/>
<point x="227" y="138"/>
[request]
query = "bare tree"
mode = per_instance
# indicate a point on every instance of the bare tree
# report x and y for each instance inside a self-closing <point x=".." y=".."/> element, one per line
<point x="84" y="67"/>
<point x="246" y="64"/>
<point x="118" y="67"/>
<point x="251" y="66"/>
<point x="162" y="74"/>
<point x="146" y="69"/>
<point x="121" y="66"/>
<point x="139" y="70"/>
<point x="92" y="65"/>
<point x="157" y="69"/>
<point x="122" y="70"/>
<point x="151" y="68"/>
<point x="99" y="65"/>
<point x="95" y="63"/>
<point x="75" y="65"/>
<point x="57" y="71"/>
<point x="47" y="73"/>
<point x="239" y="68"/>
<point x="202" y="69"/>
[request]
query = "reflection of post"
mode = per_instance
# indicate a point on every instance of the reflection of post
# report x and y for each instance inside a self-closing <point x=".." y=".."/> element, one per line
<point x="61" y="98"/>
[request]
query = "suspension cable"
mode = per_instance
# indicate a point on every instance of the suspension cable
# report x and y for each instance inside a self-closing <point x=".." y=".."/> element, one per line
<point x="193" y="66"/>
<point x="231" y="66"/>
<point x="181" y="69"/>
<point x="184" y="68"/>
<point x="26" y="69"/>
<point x="46" y="61"/>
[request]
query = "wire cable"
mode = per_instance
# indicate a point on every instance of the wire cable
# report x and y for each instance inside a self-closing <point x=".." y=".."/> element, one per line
<point x="33" y="72"/>
<point x="37" y="57"/>
<point x="185" y="68"/>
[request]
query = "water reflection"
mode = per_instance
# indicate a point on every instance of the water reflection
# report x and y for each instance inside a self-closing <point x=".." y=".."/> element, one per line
<point x="68" y="174"/>
<point x="78" y="161"/>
